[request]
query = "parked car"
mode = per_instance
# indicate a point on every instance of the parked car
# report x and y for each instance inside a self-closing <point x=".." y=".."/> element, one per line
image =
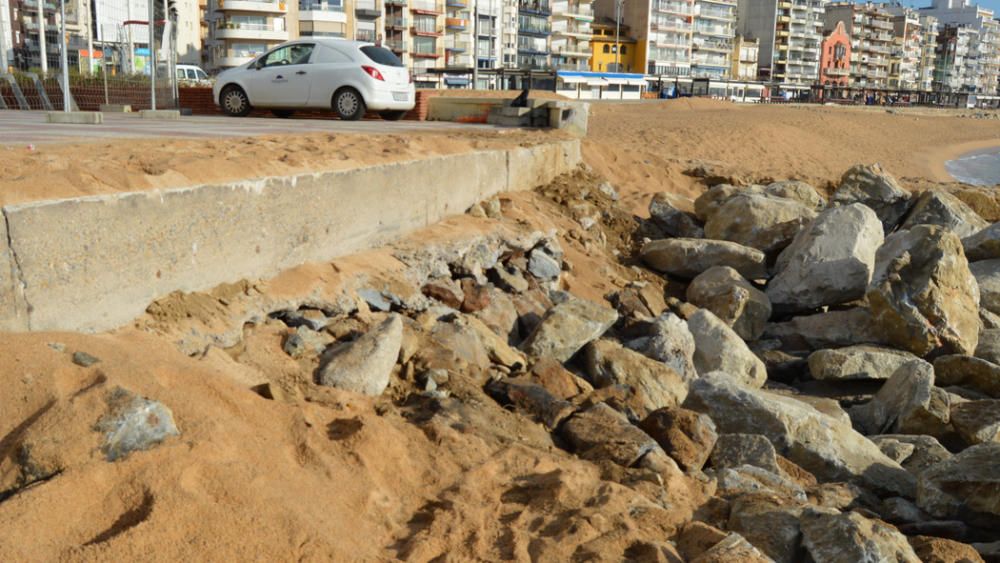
<point x="351" y="77"/>
<point x="193" y="75"/>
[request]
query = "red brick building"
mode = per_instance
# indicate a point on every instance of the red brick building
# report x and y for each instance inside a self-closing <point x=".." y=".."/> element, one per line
<point x="835" y="60"/>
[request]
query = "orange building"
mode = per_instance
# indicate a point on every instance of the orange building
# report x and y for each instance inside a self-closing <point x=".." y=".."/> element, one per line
<point x="835" y="60"/>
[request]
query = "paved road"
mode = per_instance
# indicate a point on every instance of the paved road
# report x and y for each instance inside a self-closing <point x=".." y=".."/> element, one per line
<point x="24" y="127"/>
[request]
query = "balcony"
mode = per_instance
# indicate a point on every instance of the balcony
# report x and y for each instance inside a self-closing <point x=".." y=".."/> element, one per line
<point x="396" y="23"/>
<point x="681" y="8"/>
<point x="248" y="6"/>
<point x="366" y="9"/>
<point x="457" y="46"/>
<point x="670" y="25"/>
<point x="836" y="71"/>
<point x="260" y="32"/>
<point x="366" y="35"/>
<point x="540" y="7"/>
<point x="322" y="12"/>
<point x="396" y="45"/>
<point x="579" y="51"/>
<point x="456" y="24"/>
<point x="429" y="7"/>
<point x="427" y="31"/>
<point x="577" y="11"/>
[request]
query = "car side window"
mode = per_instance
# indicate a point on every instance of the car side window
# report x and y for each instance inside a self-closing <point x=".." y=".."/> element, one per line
<point x="297" y="54"/>
<point x="180" y="74"/>
<point x="201" y="74"/>
<point x="192" y="75"/>
<point x="327" y="54"/>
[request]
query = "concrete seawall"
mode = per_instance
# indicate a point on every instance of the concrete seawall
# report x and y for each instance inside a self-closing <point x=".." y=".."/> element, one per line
<point x="95" y="263"/>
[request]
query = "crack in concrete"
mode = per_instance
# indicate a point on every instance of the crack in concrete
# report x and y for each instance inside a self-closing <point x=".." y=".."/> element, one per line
<point x="16" y="271"/>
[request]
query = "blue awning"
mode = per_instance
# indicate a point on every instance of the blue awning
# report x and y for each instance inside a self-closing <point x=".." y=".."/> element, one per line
<point x="456" y="81"/>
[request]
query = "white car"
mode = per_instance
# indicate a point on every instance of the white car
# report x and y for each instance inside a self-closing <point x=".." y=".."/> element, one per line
<point x="351" y="77"/>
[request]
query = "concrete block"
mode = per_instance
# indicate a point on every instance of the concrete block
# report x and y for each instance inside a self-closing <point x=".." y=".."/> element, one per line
<point x="115" y="108"/>
<point x="165" y="114"/>
<point x="75" y="117"/>
<point x="506" y="121"/>
<point x="509" y="111"/>
<point x="440" y="108"/>
<point x="572" y="117"/>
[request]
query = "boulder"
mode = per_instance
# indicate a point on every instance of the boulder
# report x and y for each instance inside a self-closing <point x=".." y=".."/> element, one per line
<point x="898" y="510"/>
<point x="850" y="538"/>
<point x="305" y="341"/>
<point x="770" y="524"/>
<point x="943" y="209"/>
<point x="857" y="362"/>
<point x="724" y="292"/>
<point x="364" y="365"/>
<point x="671" y="220"/>
<point x="531" y="399"/>
<point x="965" y="486"/>
<point x="734" y="450"/>
<point x="687" y="436"/>
<point x="568" y="327"/>
<point x="736" y="482"/>
<point x="696" y="538"/>
<point x="557" y="380"/>
<point x="718" y="348"/>
<point x="746" y="217"/>
<point x="983" y="245"/>
<point x="987" y="274"/>
<point x="670" y="341"/>
<point x="833" y="329"/>
<point x="687" y="257"/>
<point x="601" y="432"/>
<point x="940" y="550"/>
<point x="877" y="189"/>
<point x="967" y="371"/>
<point x="829" y="262"/>
<point x="898" y="451"/>
<point x="989" y="345"/>
<point x="822" y="445"/>
<point x="656" y="384"/>
<point x="908" y="403"/>
<point x="797" y="190"/>
<point x="734" y="548"/>
<point x="500" y="315"/>
<point x="921" y="296"/>
<point x="715" y="197"/>
<point x="977" y="422"/>
<point x="543" y="265"/>
<point x="926" y="451"/>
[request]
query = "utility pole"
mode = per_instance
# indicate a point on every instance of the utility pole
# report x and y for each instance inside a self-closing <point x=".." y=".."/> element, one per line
<point x="475" y="45"/>
<point x="618" y="27"/>
<point x="63" y="58"/>
<point x="90" y="39"/>
<point x="152" y="57"/>
<point x="3" y="42"/>
<point x="41" y="38"/>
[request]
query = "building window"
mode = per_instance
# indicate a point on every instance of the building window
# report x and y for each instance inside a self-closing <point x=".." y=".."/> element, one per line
<point x="607" y="49"/>
<point x="624" y="49"/>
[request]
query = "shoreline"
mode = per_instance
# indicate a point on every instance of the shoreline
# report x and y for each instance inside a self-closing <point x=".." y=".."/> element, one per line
<point x="937" y="158"/>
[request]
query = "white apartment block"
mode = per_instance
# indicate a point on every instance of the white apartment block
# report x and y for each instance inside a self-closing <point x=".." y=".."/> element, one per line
<point x="790" y="34"/>
<point x="977" y="46"/>
<point x="239" y="30"/>
<point x="571" y="34"/>
<point x="913" y="50"/>
<point x="712" y="38"/>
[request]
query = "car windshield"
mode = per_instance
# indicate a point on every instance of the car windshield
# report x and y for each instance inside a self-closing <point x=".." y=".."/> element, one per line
<point x="381" y="55"/>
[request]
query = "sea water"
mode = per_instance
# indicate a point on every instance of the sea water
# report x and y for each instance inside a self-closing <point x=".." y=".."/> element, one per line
<point x="981" y="168"/>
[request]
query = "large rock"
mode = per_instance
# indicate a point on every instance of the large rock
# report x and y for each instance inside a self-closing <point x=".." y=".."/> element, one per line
<point x="833" y="329"/>
<point x="964" y="486"/>
<point x="829" y="262"/>
<point x="746" y="218"/>
<point x="669" y="341"/>
<point x="364" y="365"/>
<point x="857" y="362"/>
<point x="977" y="422"/>
<point x="567" y="328"/>
<point x="709" y="202"/>
<point x="940" y="550"/>
<point x="718" y="348"/>
<point x="989" y="345"/>
<point x="850" y="538"/>
<point x="601" y="432"/>
<point x="877" y="189"/>
<point x="671" y="220"/>
<point x="734" y="450"/>
<point x="723" y="291"/>
<point x="797" y="190"/>
<point x="922" y="295"/>
<point x="983" y="245"/>
<point x="967" y="371"/>
<point x="945" y="210"/>
<point x="655" y="384"/>
<point x="686" y="257"/>
<point x="687" y="436"/>
<point x="734" y="548"/>
<point x="987" y="274"/>
<point x="924" y="451"/>
<point x="821" y="444"/>
<point x="908" y="403"/>
<point x="770" y="524"/>
<point x="133" y="423"/>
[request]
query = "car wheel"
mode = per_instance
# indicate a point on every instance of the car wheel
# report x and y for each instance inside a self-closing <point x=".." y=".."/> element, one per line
<point x="234" y="101"/>
<point x="349" y="104"/>
<point x="392" y="115"/>
<point x="283" y="113"/>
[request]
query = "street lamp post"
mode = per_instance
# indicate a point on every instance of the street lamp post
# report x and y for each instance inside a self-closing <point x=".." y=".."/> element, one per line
<point x="63" y="58"/>
<point x="618" y="27"/>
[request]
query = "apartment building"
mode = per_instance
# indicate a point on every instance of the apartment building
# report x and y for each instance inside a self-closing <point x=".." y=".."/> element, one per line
<point x="955" y="68"/>
<point x="981" y="31"/>
<point x="712" y="38"/>
<point x="534" y="31"/>
<point x="914" y="47"/>
<point x="745" y="56"/>
<point x="835" y="58"/>
<point x="790" y="33"/>
<point x="870" y="28"/>
<point x="239" y="30"/>
<point x="613" y="49"/>
<point x="571" y="34"/>
<point x="35" y="35"/>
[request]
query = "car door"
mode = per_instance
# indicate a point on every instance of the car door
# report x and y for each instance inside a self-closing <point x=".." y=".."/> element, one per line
<point x="329" y="70"/>
<point x="281" y="77"/>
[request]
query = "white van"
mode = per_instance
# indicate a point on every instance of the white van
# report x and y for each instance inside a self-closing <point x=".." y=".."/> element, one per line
<point x="192" y="75"/>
